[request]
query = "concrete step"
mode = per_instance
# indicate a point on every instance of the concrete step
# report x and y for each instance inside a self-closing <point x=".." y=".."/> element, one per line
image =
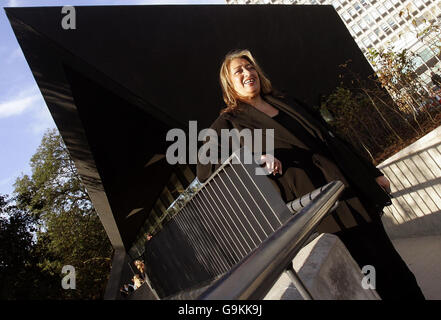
<point x="423" y="257"/>
<point x="327" y="270"/>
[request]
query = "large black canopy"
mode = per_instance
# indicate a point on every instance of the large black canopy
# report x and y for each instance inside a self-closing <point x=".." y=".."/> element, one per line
<point x="127" y="74"/>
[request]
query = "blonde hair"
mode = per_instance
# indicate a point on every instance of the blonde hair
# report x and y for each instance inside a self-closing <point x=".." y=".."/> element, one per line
<point x="230" y="96"/>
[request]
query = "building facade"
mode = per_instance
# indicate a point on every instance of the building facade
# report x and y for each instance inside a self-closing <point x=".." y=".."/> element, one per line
<point x="413" y="25"/>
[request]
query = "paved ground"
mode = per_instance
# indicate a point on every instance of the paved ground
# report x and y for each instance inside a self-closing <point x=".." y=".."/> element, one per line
<point x="423" y="256"/>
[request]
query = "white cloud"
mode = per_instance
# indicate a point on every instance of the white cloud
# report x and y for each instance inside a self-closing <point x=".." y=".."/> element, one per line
<point x="17" y="106"/>
<point x="22" y="102"/>
<point x="29" y="101"/>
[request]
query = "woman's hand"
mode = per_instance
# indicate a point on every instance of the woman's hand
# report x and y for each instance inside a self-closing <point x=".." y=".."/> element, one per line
<point x="384" y="183"/>
<point x="272" y="164"/>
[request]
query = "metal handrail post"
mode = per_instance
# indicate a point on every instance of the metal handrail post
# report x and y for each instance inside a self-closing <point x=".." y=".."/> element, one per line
<point x="298" y="283"/>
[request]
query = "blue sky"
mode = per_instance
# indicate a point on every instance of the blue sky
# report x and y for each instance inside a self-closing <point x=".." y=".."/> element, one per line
<point x="24" y="116"/>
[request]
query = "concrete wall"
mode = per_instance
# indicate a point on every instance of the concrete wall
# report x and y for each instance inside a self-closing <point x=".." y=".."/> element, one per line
<point x="415" y="175"/>
<point x="327" y="270"/>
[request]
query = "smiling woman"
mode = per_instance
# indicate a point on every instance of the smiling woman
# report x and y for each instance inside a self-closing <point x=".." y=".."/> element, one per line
<point x="239" y="67"/>
<point x="245" y="78"/>
<point x="308" y="155"/>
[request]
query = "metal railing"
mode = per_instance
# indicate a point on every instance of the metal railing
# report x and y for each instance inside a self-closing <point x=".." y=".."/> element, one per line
<point x="216" y="227"/>
<point x="256" y="273"/>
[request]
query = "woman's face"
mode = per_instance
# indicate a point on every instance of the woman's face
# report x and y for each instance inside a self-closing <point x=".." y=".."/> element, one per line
<point x="244" y="78"/>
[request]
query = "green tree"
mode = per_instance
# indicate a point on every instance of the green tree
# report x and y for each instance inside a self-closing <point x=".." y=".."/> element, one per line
<point x="68" y="228"/>
<point x="384" y="113"/>
<point x="15" y="249"/>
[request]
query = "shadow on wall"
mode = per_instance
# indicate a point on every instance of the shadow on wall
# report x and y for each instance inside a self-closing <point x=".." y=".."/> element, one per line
<point x="416" y="189"/>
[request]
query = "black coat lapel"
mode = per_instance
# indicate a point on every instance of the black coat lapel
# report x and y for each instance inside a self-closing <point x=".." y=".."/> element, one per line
<point x="250" y="117"/>
<point x="298" y="112"/>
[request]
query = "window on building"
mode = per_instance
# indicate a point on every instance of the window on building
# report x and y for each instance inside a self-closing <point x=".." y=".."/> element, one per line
<point x="392" y="23"/>
<point x="381" y="9"/>
<point x="417" y="62"/>
<point x="427" y="16"/>
<point x="366" y="42"/>
<point x="363" y="25"/>
<point x="388" y="5"/>
<point x="365" y="3"/>
<point x="357" y="7"/>
<point x="374" y="13"/>
<point x="385" y="27"/>
<point x="426" y="54"/>
<point x="420" y="21"/>
<point x="398" y="18"/>
<point x="372" y="37"/>
<point x="335" y="4"/>
<point x="368" y="20"/>
<point x="396" y="2"/>
<point x="411" y="8"/>
<point x="436" y="46"/>
<point x="346" y="16"/>
<point x="426" y="78"/>
<point x="377" y="32"/>
<point x="419" y="4"/>
<point x="352" y="12"/>
<point x="356" y="29"/>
